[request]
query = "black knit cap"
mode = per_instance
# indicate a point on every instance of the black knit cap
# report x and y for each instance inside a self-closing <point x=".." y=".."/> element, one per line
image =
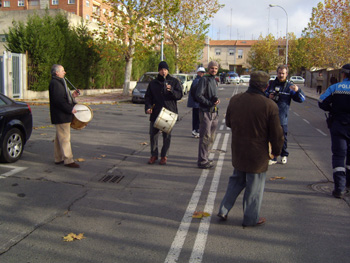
<point x="162" y="65"/>
<point x="346" y="68"/>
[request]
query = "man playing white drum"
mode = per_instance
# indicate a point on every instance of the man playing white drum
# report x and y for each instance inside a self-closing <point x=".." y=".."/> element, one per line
<point x="61" y="110"/>
<point x="164" y="91"/>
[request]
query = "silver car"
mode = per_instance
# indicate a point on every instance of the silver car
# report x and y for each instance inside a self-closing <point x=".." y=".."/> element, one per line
<point x="232" y="77"/>
<point x="297" y="80"/>
<point x="138" y="93"/>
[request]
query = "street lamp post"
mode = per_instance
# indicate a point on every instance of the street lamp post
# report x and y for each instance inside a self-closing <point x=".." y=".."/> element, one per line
<point x="272" y="5"/>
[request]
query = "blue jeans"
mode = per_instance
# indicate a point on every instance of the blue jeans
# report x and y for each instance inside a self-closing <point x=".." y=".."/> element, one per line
<point x="284" y="148"/>
<point x="340" y="135"/>
<point x="254" y="184"/>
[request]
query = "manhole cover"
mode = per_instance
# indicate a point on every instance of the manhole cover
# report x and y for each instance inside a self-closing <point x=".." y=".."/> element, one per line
<point x="323" y="187"/>
<point x="109" y="178"/>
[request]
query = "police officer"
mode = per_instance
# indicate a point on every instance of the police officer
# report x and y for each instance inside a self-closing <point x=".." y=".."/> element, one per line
<point x="336" y="100"/>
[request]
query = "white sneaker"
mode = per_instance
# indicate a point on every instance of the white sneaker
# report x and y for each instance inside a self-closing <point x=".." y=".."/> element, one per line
<point x="272" y="161"/>
<point x="284" y="159"/>
<point x="195" y="134"/>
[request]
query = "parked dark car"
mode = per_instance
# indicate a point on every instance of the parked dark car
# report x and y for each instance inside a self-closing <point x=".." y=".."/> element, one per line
<point x="16" y="125"/>
<point x="138" y="93"/>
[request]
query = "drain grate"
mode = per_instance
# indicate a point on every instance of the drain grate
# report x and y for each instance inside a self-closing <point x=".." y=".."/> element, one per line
<point x="323" y="187"/>
<point x="109" y="178"/>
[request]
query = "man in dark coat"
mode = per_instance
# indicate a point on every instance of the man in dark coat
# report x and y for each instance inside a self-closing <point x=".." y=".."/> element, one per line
<point x="254" y="122"/>
<point x="61" y="111"/>
<point x="164" y="91"/>
<point x="192" y="103"/>
<point x="207" y="96"/>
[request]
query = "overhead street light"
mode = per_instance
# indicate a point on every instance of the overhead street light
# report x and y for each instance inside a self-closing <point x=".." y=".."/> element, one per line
<point x="272" y="5"/>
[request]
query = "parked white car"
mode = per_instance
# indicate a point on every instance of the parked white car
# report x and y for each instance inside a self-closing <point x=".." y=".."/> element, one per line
<point x="232" y="77"/>
<point x="297" y="80"/>
<point x="186" y="81"/>
<point x="245" y="78"/>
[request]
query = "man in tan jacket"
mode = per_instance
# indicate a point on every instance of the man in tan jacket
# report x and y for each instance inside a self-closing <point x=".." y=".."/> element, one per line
<point x="254" y="122"/>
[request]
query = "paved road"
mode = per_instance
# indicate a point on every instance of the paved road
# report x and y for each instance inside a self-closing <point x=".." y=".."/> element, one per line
<point x="145" y="216"/>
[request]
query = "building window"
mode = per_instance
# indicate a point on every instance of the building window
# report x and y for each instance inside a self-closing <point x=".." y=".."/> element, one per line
<point x="231" y="52"/>
<point x="87" y="17"/>
<point x="240" y="53"/>
<point x="6" y="3"/>
<point x="20" y="2"/>
<point x="54" y="2"/>
<point x="218" y="52"/>
<point x="87" y="3"/>
<point x="71" y="2"/>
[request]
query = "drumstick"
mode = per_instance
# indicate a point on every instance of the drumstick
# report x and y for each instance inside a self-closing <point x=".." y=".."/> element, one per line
<point x="72" y="85"/>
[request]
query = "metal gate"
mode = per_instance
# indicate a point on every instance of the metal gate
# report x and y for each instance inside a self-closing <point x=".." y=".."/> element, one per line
<point x="2" y="84"/>
<point x="13" y="74"/>
<point x="16" y="75"/>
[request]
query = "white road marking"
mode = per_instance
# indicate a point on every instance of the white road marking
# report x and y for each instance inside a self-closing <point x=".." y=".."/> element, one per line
<point x="176" y="246"/>
<point x="296" y="113"/>
<point x="306" y="121"/>
<point x="15" y="169"/>
<point x="221" y="127"/>
<point x="202" y="235"/>
<point x="321" y="132"/>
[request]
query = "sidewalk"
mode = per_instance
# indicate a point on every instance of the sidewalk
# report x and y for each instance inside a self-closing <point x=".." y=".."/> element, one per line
<point x="117" y="97"/>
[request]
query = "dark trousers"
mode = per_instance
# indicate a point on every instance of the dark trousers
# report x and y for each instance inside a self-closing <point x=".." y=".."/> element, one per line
<point x="284" y="148"/>
<point x="195" y="119"/>
<point x="341" y="155"/>
<point x="154" y="134"/>
<point x="319" y="89"/>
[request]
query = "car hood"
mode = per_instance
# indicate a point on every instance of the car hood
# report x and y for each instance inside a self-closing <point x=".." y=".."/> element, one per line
<point x="142" y="86"/>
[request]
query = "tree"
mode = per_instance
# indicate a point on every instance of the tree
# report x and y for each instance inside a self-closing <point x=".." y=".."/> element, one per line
<point x="299" y="57"/>
<point x="186" y="29"/>
<point x="133" y="24"/>
<point x="264" y="54"/>
<point x="328" y="33"/>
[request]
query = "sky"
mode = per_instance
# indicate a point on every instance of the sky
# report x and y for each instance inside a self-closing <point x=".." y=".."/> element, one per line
<point x="248" y="19"/>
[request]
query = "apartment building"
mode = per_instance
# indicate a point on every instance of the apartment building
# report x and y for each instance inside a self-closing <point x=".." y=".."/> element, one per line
<point x="90" y="10"/>
<point x="232" y="55"/>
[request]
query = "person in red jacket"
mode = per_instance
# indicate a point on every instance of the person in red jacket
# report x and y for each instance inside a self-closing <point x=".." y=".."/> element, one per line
<point x="61" y="111"/>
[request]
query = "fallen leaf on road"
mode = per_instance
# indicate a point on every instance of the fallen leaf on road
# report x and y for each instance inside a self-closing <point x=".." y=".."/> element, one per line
<point x="80" y="160"/>
<point x="277" y="177"/>
<point x="200" y="214"/>
<point x="144" y="143"/>
<point x="42" y="127"/>
<point x="71" y="237"/>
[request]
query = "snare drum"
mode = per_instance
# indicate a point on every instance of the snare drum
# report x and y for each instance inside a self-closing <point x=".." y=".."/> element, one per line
<point x="165" y="120"/>
<point x="82" y="117"/>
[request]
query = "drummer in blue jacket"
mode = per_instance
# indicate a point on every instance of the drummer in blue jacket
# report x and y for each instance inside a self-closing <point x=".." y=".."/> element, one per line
<point x="283" y="92"/>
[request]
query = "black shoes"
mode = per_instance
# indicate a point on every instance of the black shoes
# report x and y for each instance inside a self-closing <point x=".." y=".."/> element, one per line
<point x="338" y="195"/>
<point x="262" y="221"/>
<point x="72" y="165"/>
<point x="206" y="165"/>
<point x="223" y="217"/>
